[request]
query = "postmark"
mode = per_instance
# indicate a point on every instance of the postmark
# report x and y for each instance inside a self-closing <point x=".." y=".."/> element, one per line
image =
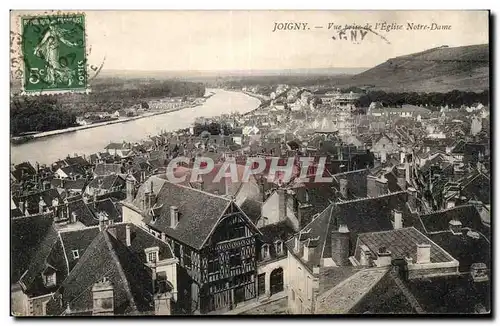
<point x="53" y="51"/>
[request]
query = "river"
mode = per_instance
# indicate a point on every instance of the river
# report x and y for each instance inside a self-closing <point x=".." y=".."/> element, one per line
<point x="49" y="149"/>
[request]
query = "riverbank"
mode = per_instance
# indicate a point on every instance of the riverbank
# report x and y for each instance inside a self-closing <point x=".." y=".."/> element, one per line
<point x="23" y="139"/>
<point x="47" y="150"/>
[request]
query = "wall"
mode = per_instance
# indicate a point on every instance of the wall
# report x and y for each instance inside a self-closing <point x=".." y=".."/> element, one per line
<point x="379" y="146"/>
<point x="169" y="266"/>
<point x="271" y="266"/>
<point x="299" y="287"/>
<point x="131" y="216"/>
<point x="250" y="190"/>
<point x="19" y="301"/>
<point x="37" y="305"/>
<point x="270" y="209"/>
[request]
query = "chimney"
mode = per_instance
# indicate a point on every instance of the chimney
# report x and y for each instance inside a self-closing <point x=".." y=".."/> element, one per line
<point x="103" y="298"/>
<point x="401" y="176"/>
<point x="455" y="227"/>
<point x="365" y="256"/>
<point x="402" y="157"/>
<point x="383" y="157"/>
<point x="21" y="206"/>
<point x="296" y="246"/>
<point x="412" y="199"/>
<point x="66" y="212"/>
<point x="309" y="248"/>
<point x="128" y="241"/>
<point x="371" y="186"/>
<point x="382" y="186"/>
<point x="227" y="183"/>
<point x="130" y="188"/>
<point x="73" y="217"/>
<point x="343" y="187"/>
<point x="340" y="246"/>
<point x="397" y="219"/>
<point x="384" y="257"/>
<point x="41" y="205"/>
<point x="174" y="216"/>
<point x="281" y="203"/>
<point x="423" y="253"/>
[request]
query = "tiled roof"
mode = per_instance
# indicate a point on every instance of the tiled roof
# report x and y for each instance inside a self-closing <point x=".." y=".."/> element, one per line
<point x="103" y="169"/>
<point x="282" y="230"/>
<point x="77" y="240"/>
<point x="252" y="209"/>
<point x="357" y="182"/>
<point x="342" y="298"/>
<point x="74" y="170"/>
<point x="403" y="243"/>
<point x="26" y="235"/>
<point x="33" y="199"/>
<point x="49" y="252"/>
<point x="369" y="214"/>
<point x="439" y="220"/>
<point x="106" y="207"/>
<point x="157" y="183"/>
<point x="477" y="187"/>
<point x="140" y="239"/>
<point x="360" y="216"/>
<point x="107" y="182"/>
<point x="107" y="257"/>
<point x="76" y="160"/>
<point x="450" y="294"/>
<point x="464" y="248"/>
<point x="199" y="212"/>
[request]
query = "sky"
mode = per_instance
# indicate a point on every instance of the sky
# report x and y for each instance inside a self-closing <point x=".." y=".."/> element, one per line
<point x="244" y="40"/>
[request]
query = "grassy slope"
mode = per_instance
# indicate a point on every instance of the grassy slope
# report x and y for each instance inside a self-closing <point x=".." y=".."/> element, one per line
<point x="435" y="70"/>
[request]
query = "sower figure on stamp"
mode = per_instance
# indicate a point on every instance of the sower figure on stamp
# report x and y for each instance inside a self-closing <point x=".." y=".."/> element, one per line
<point x="48" y="49"/>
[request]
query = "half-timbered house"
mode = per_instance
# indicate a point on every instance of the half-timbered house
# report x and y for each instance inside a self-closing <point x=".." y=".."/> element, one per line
<point x="214" y="240"/>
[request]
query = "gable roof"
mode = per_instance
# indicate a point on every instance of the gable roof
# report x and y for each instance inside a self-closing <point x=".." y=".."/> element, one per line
<point x="107" y="258"/>
<point x="48" y="253"/>
<point x="199" y="213"/>
<point x="27" y="232"/>
<point x="77" y="240"/>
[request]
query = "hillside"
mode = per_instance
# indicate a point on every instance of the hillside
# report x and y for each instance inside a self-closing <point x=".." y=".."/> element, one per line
<point x="440" y="69"/>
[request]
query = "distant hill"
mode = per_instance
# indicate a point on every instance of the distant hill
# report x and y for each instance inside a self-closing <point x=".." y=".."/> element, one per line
<point x="439" y="69"/>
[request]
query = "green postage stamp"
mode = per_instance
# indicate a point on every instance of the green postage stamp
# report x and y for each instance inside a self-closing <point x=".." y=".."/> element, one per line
<point x="54" y="54"/>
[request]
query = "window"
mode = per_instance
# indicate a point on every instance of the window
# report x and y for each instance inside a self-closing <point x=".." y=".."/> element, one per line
<point x="152" y="257"/>
<point x="75" y="253"/>
<point x="279" y="247"/>
<point x="152" y="254"/>
<point x="50" y="279"/>
<point x="264" y="252"/>
<point x="293" y="295"/>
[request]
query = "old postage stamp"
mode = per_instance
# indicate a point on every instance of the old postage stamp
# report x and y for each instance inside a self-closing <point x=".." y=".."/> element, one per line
<point x="54" y="54"/>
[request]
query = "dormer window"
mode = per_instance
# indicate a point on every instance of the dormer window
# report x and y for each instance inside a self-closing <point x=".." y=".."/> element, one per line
<point x="279" y="247"/>
<point x="49" y="276"/>
<point x="264" y="251"/>
<point x="75" y="253"/>
<point x="50" y="280"/>
<point x="152" y="254"/>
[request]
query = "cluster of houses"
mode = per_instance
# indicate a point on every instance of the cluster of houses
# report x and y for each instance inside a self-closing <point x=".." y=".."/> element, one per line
<point x="402" y="227"/>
